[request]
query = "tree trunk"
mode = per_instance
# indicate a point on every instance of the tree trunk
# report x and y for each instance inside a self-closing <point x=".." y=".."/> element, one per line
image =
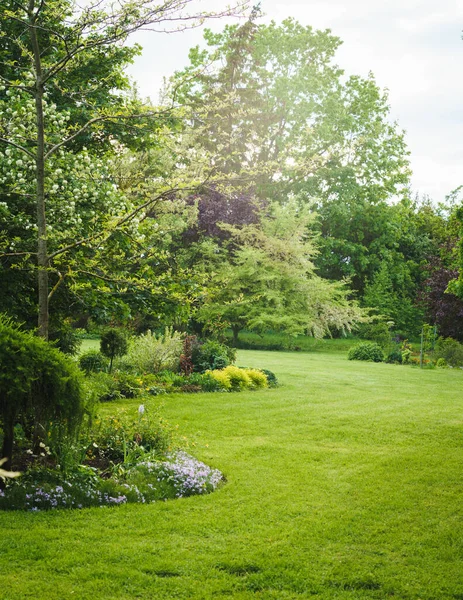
<point x="42" y="248"/>
<point x="235" y="329"/>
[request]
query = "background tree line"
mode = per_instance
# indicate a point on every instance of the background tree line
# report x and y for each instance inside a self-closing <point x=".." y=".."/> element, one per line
<point x="269" y="190"/>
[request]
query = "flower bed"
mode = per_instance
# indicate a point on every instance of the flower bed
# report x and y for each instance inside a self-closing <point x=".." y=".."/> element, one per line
<point x="148" y="480"/>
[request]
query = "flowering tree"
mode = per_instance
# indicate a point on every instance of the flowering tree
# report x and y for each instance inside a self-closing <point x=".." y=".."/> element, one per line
<point x="59" y="66"/>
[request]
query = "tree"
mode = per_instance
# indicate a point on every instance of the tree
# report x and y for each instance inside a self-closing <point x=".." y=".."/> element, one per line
<point x="113" y="343"/>
<point x="284" y="118"/>
<point x="263" y="278"/>
<point x="288" y="123"/>
<point x="50" y="53"/>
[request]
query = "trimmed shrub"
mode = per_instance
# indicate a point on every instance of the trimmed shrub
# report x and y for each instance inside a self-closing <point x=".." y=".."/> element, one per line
<point x="239" y="379"/>
<point x="257" y="377"/>
<point x="39" y="389"/>
<point x="369" y="351"/>
<point x="441" y="363"/>
<point x="92" y="361"/>
<point x="222" y="379"/>
<point x="271" y="377"/>
<point x="113" y="343"/>
<point x="212" y="355"/>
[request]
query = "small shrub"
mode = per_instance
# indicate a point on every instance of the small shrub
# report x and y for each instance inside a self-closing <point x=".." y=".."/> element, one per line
<point x="257" y="377"/>
<point x="129" y="386"/>
<point x="222" y="379"/>
<point x="92" y="361"/>
<point x="205" y="381"/>
<point x="149" y="353"/>
<point x="441" y="363"/>
<point x="103" y="387"/>
<point x="212" y="355"/>
<point x="186" y="358"/>
<point x="113" y="343"/>
<point x="271" y="377"/>
<point x="394" y="357"/>
<point x="450" y="350"/>
<point x="369" y="351"/>
<point x="239" y="379"/>
<point x="406" y="356"/>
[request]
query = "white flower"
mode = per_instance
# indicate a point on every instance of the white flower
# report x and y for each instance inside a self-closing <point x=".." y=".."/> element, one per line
<point x="141" y="409"/>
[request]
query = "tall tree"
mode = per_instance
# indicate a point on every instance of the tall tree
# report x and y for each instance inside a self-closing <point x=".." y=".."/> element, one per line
<point x="50" y="52"/>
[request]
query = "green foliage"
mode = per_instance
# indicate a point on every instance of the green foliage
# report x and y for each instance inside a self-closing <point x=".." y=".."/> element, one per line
<point x="265" y="280"/>
<point x="236" y="379"/>
<point x="394" y="357"/>
<point x="118" y="437"/>
<point x="239" y="378"/>
<point x="376" y="332"/>
<point x="212" y="355"/>
<point x="66" y="339"/>
<point x="38" y="387"/>
<point x="258" y="378"/>
<point x="113" y="343"/>
<point x="441" y="363"/>
<point x="92" y="361"/>
<point x="149" y="353"/>
<point x="222" y="379"/>
<point x="450" y="350"/>
<point x="370" y="351"/>
<point x="271" y="377"/>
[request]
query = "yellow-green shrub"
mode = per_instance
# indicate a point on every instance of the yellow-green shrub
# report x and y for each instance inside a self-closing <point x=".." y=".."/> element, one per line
<point x="258" y="379"/>
<point x="239" y="379"/>
<point x="222" y="378"/>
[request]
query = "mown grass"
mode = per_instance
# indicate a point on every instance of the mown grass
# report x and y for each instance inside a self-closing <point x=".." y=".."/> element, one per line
<point x="345" y="482"/>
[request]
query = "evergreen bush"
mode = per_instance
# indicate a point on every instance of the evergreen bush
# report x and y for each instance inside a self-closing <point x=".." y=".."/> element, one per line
<point x="39" y="388"/>
<point x="369" y="351"/>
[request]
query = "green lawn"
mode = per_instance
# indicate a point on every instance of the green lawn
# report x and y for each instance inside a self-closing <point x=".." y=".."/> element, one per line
<point x="345" y="482"/>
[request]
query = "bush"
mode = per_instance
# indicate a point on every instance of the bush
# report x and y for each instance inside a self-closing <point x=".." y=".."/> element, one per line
<point x="205" y="381"/>
<point x="66" y="339"/>
<point x="376" y="332"/>
<point x="369" y="351"/>
<point x="39" y="388"/>
<point x="212" y="355"/>
<point x="103" y="387"/>
<point x="113" y="343"/>
<point x="257" y="377"/>
<point x="271" y="377"/>
<point x="115" y="438"/>
<point x="441" y="363"/>
<point x="92" y="361"/>
<point x="149" y="353"/>
<point x="450" y="350"/>
<point x="222" y="379"/>
<point x="239" y="379"/>
<point x="394" y="357"/>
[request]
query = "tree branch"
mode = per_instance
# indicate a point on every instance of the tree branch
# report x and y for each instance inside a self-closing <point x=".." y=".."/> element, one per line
<point x="18" y="146"/>
<point x="84" y="127"/>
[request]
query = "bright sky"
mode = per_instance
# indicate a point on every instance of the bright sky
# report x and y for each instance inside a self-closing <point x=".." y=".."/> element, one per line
<point x="413" y="47"/>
